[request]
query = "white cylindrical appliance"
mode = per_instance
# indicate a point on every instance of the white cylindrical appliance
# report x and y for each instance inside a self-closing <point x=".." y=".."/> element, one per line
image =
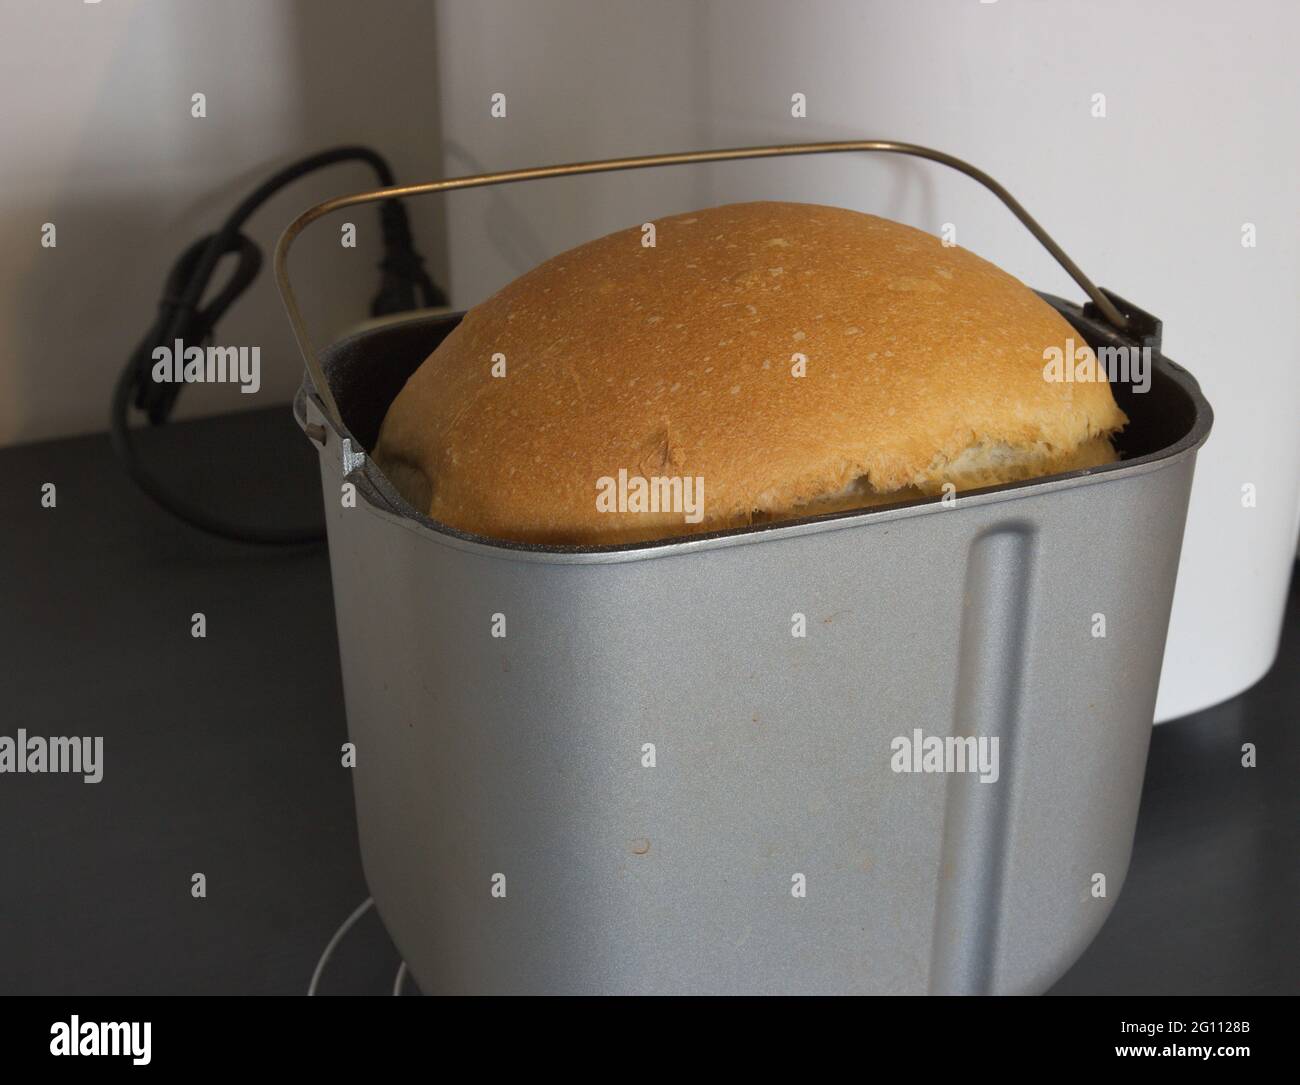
<point x="1144" y="137"/>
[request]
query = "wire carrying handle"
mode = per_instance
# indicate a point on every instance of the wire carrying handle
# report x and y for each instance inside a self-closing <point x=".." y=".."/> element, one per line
<point x="610" y="165"/>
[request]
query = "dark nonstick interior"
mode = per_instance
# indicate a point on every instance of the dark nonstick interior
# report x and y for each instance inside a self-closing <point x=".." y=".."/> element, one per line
<point x="367" y="370"/>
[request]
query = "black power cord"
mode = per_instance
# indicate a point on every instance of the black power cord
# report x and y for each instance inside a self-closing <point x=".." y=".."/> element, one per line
<point x="182" y="315"/>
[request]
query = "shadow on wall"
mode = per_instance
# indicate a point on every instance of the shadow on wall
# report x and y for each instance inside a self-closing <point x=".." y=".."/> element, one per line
<point x="506" y="228"/>
<point x="110" y="154"/>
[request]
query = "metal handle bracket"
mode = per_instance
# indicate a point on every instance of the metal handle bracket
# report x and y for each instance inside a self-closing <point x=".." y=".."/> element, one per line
<point x="886" y="146"/>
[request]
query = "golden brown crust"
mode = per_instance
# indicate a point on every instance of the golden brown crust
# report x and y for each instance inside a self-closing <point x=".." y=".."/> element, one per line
<point x="922" y="361"/>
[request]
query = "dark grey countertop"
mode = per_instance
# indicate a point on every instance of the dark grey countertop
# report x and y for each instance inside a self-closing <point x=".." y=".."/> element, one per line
<point x="222" y="756"/>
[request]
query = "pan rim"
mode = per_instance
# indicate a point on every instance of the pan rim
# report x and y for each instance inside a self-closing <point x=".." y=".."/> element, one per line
<point x="383" y="500"/>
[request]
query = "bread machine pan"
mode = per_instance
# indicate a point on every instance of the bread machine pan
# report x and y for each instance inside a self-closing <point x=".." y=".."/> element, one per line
<point x="522" y="756"/>
<point x="649" y="785"/>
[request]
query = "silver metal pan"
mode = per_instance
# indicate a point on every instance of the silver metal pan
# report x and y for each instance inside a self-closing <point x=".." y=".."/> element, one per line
<point x="515" y="837"/>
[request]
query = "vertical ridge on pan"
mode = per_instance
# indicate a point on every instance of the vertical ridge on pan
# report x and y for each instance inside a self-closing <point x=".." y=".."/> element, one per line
<point x="995" y="618"/>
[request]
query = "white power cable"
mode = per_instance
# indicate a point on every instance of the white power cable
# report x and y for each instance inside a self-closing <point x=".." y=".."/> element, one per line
<point x="333" y="943"/>
<point x="330" y="946"/>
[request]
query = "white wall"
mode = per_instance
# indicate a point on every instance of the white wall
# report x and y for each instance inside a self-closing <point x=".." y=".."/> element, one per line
<point x="1199" y="137"/>
<point x="96" y="137"/>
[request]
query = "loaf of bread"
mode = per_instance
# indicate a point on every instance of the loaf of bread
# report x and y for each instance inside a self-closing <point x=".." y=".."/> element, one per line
<point x="756" y="362"/>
